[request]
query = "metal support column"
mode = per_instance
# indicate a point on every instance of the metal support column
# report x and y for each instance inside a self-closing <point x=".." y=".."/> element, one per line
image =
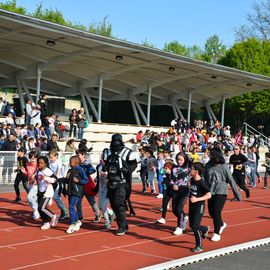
<point x="21" y="98"/>
<point x="212" y="113"/>
<point x="174" y="108"/>
<point x="100" y="99"/>
<point x="178" y="110"/>
<point x="189" y="107"/>
<point x="140" y="110"/>
<point x="38" y="83"/>
<point x="208" y="112"/>
<point x="223" y="111"/>
<point x="93" y="108"/>
<point x="26" y="90"/>
<point x="149" y="105"/>
<point x="135" y="110"/>
<point x="84" y="103"/>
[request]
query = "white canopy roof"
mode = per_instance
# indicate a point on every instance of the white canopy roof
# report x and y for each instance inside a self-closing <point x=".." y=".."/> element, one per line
<point x="69" y="60"/>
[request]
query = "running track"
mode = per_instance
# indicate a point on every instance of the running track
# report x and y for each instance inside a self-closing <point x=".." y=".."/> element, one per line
<point x="24" y="246"/>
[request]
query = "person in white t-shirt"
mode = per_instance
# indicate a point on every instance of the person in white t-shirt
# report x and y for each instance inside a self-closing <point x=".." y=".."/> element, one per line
<point x="45" y="180"/>
<point x="57" y="167"/>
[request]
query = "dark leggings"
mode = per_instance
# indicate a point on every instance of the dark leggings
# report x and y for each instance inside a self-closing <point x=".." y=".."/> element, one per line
<point x="179" y="199"/>
<point x="167" y="195"/>
<point x="215" y="206"/>
<point x="20" y="178"/>
<point x="196" y="212"/>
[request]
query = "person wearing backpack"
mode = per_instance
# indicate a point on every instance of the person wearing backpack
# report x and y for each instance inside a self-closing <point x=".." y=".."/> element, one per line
<point x="120" y="162"/>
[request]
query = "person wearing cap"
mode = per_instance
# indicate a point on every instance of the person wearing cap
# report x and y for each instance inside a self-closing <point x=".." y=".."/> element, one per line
<point x="20" y="176"/>
<point x="120" y="162"/>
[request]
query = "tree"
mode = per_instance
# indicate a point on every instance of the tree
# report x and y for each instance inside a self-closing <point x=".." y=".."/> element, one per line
<point x="214" y="49"/>
<point x="176" y="47"/>
<point x="254" y="56"/>
<point x="102" y="28"/>
<point x="258" y="25"/>
<point x="12" y="6"/>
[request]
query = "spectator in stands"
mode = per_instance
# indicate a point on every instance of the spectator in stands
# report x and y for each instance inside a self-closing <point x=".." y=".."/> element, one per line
<point x="58" y="127"/>
<point x="43" y="103"/>
<point x="70" y="146"/>
<point x="35" y="115"/>
<point x="83" y="145"/>
<point x="73" y="119"/>
<point x="2" y="105"/>
<point x="10" y="130"/>
<point x="9" y="158"/>
<point x="139" y="136"/>
<point x="52" y="143"/>
<point x="28" y="111"/>
<point x="46" y="125"/>
<point x="51" y="123"/>
<point x="81" y="122"/>
<point x="10" y="120"/>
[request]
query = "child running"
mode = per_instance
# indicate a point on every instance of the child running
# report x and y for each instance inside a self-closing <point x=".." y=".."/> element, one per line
<point x="30" y="172"/>
<point x="45" y="180"/>
<point x="199" y="193"/>
<point x="102" y="189"/>
<point x="76" y="179"/>
<point x="57" y="168"/>
<point x="21" y="177"/>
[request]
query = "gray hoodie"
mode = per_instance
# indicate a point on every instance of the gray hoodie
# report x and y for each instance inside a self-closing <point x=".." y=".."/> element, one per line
<point x="218" y="177"/>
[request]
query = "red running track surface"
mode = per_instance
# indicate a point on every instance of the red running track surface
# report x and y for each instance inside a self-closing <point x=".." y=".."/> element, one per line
<point x="24" y="246"/>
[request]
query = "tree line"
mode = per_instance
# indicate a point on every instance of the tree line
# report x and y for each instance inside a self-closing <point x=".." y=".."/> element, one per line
<point x="250" y="52"/>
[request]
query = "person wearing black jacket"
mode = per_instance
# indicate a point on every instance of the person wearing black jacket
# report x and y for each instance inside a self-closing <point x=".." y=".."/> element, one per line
<point x="238" y="161"/>
<point x="21" y="177"/>
<point x="120" y="162"/>
<point x="9" y="158"/>
<point x="52" y="143"/>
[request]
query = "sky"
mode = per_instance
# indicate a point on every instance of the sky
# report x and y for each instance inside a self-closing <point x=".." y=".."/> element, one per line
<point x="190" y="22"/>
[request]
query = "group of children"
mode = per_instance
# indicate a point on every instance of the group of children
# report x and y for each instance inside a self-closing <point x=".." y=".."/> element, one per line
<point x="45" y="182"/>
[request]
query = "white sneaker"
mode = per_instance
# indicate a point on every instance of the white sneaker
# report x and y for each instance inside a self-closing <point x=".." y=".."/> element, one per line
<point x="159" y="196"/>
<point x="184" y="222"/>
<point x="54" y="220"/>
<point x="216" y="237"/>
<point x="36" y="215"/>
<point x="161" y="221"/>
<point x="45" y="226"/>
<point x="78" y="223"/>
<point x="222" y="228"/>
<point x="178" y="231"/>
<point x="72" y="228"/>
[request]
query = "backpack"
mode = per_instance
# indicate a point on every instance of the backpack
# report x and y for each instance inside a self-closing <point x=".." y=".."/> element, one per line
<point x="90" y="187"/>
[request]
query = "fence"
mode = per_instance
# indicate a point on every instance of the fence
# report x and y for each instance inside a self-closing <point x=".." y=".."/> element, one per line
<point x="8" y="164"/>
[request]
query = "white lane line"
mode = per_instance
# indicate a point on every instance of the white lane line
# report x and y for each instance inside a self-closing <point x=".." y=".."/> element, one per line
<point x="91" y="252"/>
<point x="146" y="254"/>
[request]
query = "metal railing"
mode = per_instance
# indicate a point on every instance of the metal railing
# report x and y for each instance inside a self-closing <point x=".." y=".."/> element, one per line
<point x="262" y="139"/>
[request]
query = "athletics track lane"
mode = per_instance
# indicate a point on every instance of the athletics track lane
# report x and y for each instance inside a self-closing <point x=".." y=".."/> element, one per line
<point x="24" y="246"/>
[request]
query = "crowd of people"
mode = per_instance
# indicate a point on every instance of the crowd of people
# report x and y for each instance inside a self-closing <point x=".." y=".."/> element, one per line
<point x="190" y="164"/>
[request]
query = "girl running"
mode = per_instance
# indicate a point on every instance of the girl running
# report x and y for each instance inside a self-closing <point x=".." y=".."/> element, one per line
<point x="45" y="180"/>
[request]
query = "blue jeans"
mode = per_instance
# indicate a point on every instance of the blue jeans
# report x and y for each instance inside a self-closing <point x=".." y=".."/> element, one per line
<point x="92" y="201"/>
<point x="80" y="133"/>
<point x="73" y="201"/>
<point x="160" y="182"/>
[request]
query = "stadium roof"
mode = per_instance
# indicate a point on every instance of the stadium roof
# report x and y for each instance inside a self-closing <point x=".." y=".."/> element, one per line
<point x="70" y="61"/>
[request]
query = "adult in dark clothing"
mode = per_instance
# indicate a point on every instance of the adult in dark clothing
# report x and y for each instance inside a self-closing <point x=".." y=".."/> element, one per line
<point x="238" y="160"/>
<point x="120" y="162"/>
<point x="52" y="143"/>
<point x="43" y="103"/>
<point x="73" y="119"/>
<point x="217" y="175"/>
<point x="21" y="177"/>
<point x="9" y="158"/>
